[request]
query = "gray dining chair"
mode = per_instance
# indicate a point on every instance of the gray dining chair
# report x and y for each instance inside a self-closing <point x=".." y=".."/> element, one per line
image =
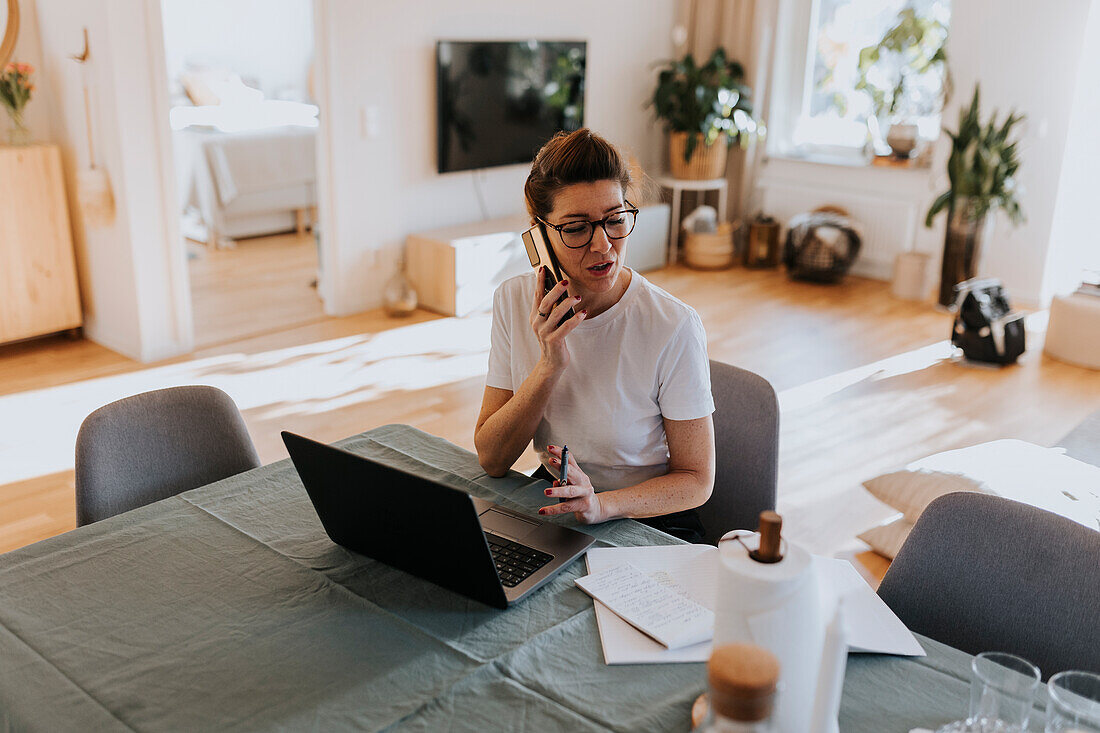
<point x="984" y="573"/>
<point x="157" y="444"/>
<point x="746" y="442"/>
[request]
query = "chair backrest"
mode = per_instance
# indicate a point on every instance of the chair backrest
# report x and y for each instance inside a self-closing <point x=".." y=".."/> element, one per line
<point x="154" y="445"/>
<point x="984" y="573"/>
<point x="746" y="443"/>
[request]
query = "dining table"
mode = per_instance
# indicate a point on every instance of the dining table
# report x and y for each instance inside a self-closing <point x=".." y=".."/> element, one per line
<point x="227" y="607"/>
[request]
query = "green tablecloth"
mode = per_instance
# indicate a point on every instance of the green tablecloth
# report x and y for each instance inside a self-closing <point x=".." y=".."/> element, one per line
<point x="228" y="608"/>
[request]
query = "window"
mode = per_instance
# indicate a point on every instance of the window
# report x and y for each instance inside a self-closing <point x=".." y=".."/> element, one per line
<point x="833" y="104"/>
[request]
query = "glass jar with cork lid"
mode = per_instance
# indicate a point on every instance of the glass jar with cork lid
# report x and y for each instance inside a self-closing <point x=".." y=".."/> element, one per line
<point x="742" y="679"/>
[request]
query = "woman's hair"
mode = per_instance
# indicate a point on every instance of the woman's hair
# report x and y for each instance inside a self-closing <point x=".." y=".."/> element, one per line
<point x="581" y="156"/>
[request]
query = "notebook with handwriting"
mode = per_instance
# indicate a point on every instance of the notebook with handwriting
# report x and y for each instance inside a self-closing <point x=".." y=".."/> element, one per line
<point x="661" y="611"/>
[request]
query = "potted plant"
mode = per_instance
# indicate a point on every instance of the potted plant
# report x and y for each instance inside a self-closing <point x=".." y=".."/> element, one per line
<point x="704" y="109"/>
<point x="906" y="76"/>
<point x="982" y="171"/>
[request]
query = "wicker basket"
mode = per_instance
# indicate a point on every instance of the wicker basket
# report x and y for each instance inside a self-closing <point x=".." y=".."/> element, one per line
<point x="709" y="251"/>
<point x="707" y="161"/>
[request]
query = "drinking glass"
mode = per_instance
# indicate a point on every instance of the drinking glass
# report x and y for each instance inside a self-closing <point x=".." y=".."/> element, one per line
<point x="1002" y="692"/>
<point x="1074" y="705"/>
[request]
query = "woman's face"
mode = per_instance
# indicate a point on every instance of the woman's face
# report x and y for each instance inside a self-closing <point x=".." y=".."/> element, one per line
<point x="595" y="268"/>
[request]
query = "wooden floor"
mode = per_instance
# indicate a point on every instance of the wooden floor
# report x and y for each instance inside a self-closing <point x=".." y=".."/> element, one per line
<point x="866" y="384"/>
<point x="273" y="276"/>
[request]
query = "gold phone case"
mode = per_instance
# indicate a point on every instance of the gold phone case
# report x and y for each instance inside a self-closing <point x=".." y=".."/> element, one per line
<point x="540" y="254"/>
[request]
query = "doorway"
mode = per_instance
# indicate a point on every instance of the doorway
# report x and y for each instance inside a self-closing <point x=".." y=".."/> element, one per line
<point x="244" y="123"/>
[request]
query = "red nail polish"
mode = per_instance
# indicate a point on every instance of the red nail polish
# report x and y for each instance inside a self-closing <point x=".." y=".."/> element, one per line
<point x="542" y="511"/>
<point x="547" y="492"/>
<point x="584" y="312"/>
<point x="565" y="282"/>
<point x="576" y="297"/>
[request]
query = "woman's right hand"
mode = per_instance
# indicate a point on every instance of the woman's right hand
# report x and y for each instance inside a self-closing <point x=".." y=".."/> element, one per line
<point x="545" y="317"/>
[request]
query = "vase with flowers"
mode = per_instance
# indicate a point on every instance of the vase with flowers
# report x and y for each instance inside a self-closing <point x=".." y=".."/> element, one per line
<point x="16" y="86"/>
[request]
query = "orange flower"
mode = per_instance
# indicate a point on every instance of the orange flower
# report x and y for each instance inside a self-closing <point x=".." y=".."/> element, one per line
<point x="25" y="68"/>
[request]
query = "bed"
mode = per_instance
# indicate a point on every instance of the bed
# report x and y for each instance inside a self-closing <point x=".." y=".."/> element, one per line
<point x="246" y="166"/>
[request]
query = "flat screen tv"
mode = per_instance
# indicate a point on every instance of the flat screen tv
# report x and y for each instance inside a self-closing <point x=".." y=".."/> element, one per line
<point x="500" y="101"/>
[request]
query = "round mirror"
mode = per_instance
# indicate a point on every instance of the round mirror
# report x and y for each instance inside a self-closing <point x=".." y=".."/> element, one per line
<point x="9" y="29"/>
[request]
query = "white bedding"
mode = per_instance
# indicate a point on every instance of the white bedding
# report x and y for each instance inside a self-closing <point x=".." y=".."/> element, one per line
<point x="246" y="183"/>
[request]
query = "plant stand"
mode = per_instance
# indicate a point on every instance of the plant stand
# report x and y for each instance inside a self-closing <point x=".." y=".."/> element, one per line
<point x="677" y="186"/>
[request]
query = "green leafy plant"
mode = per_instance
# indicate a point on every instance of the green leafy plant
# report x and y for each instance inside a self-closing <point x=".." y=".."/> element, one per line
<point x="912" y="47"/>
<point x="982" y="165"/>
<point x="705" y="101"/>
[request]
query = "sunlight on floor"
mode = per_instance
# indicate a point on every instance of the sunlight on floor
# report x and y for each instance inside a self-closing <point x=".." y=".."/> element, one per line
<point x="320" y="377"/>
<point x="819" y="389"/>
<point x="313" y="378"/>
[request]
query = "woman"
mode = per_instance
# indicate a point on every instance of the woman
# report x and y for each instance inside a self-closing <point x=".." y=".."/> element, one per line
<point x="625" y="382"/>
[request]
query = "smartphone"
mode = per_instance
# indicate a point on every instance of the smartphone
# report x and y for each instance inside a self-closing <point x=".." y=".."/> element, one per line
<point x="542" y="255"/>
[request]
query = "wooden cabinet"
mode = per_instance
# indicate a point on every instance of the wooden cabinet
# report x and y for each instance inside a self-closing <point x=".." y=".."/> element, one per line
<point x="38" y="287"/>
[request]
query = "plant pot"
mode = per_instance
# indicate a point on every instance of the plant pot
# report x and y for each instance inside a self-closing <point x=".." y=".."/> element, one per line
<point x="707" y="161"/>
<point x="902" y="139"/>
<point x="962" y="247"/>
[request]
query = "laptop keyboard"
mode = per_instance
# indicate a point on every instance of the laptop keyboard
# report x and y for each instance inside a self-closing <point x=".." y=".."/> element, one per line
<point x="515" y="562"/>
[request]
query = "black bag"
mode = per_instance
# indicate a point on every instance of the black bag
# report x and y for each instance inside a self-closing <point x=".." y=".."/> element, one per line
<point x="986" y="328"/>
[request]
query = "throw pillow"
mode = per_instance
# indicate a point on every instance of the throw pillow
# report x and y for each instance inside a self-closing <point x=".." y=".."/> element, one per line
<point x="911" y="491"/>
<point x="1042" y="477"/>
<point x="887" y="539"/>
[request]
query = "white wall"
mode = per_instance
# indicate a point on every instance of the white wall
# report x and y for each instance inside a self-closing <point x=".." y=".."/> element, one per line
<point x="1074" y="239"/>
<point x="381" y="63"/>
<point x="132" y="274"/>
<point x="1026" y="55"/>
<point x="270" y="41"/>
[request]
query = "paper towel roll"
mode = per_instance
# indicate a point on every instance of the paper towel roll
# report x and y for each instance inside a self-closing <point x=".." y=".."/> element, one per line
<point x="778" y="607"/>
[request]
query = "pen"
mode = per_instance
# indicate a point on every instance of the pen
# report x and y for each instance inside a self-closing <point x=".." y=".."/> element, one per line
<point x="564" y="465"/>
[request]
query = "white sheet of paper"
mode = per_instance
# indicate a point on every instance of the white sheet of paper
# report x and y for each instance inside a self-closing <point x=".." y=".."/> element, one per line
<point x="659" y="609"/>
<point x="622" y="643"/>
<point x="869" y="624"/>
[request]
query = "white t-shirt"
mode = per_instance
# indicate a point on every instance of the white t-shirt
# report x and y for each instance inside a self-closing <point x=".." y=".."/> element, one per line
<point x="643" y="358"/>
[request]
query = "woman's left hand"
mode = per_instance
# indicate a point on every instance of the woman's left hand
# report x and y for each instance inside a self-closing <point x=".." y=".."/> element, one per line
<point x="577" y="494"/>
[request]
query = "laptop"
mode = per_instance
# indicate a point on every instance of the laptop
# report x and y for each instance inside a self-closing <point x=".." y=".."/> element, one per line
<point x="433" y="531"/>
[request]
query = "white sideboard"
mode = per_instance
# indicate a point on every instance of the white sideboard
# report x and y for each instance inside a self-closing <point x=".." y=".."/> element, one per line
<point x="455" y="270"/>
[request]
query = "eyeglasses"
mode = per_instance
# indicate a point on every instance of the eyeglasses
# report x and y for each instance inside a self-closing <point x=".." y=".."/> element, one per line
<point x="577" y="234"/>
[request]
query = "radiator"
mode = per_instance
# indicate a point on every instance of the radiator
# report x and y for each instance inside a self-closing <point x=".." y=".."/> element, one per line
<point x="887" y="225"/>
